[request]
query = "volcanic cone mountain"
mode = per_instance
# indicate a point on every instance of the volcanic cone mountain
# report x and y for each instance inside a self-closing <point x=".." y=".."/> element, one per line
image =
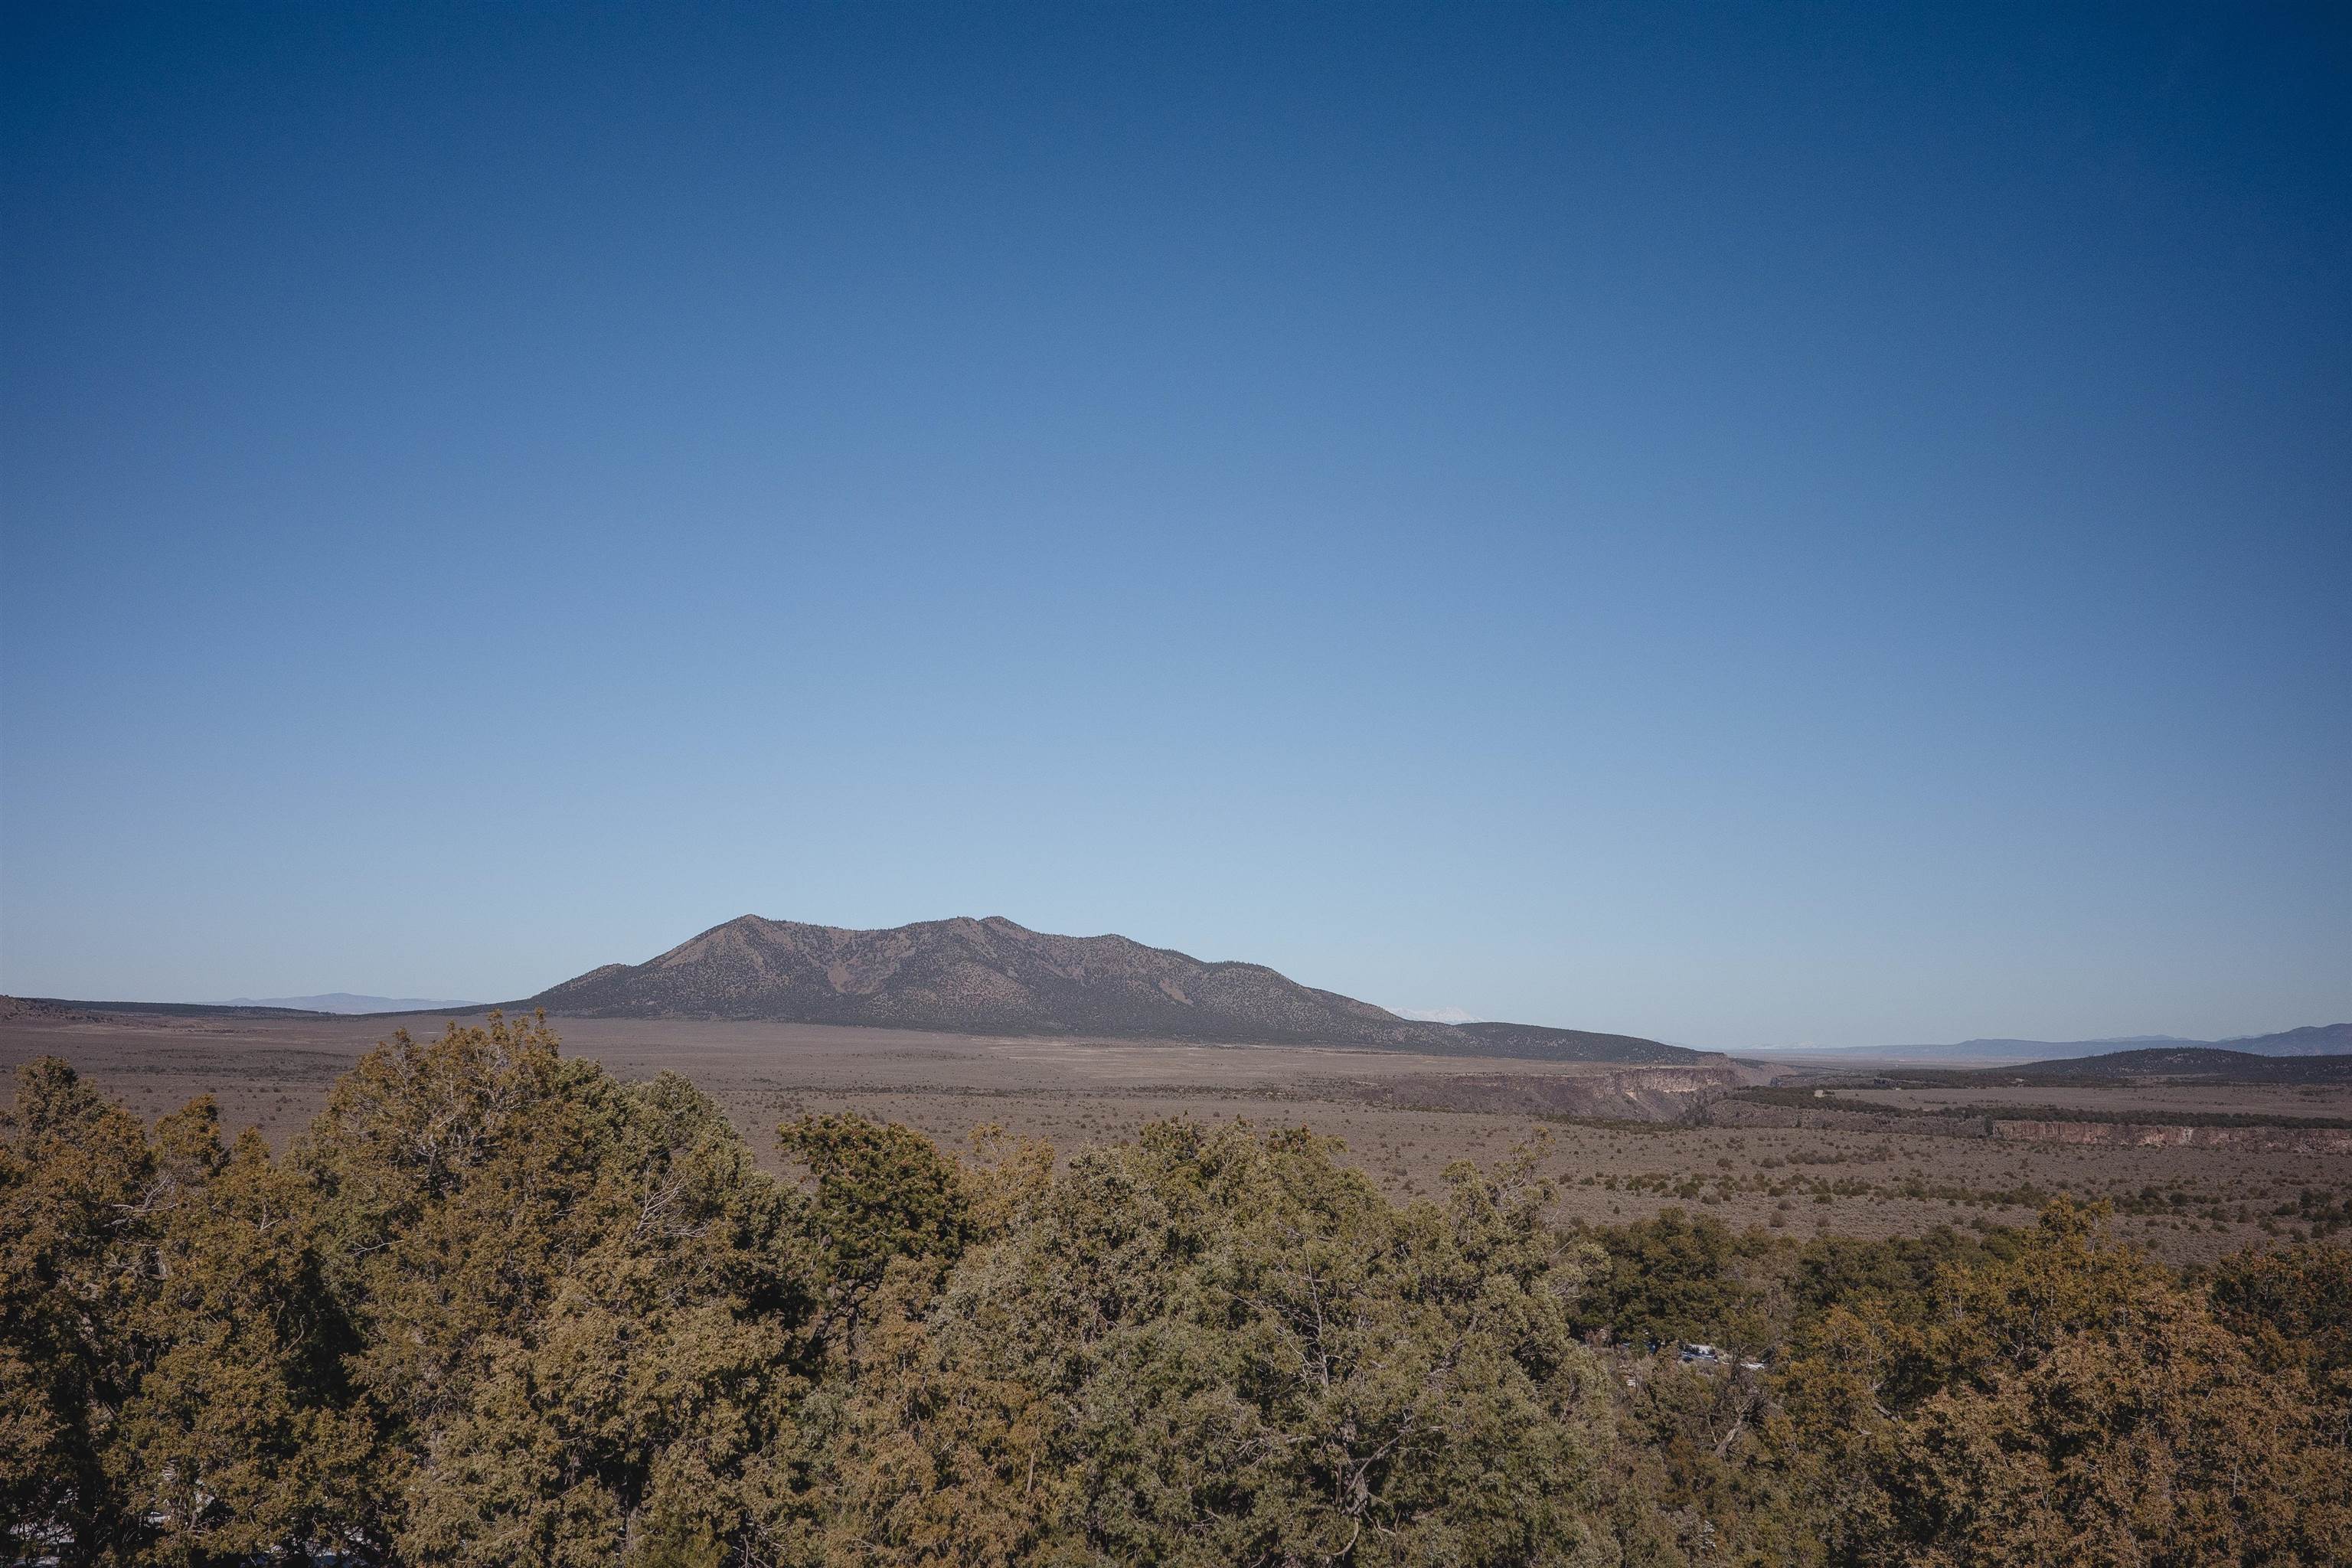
<point x="993" y="977"/>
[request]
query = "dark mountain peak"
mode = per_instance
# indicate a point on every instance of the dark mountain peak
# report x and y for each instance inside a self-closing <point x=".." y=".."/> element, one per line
<point x="994" y="976"/>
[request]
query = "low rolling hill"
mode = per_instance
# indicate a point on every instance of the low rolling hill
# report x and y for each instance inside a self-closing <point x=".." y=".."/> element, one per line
<point x="2156" y="1064"/>
<point x="2196" y="1064"/>
<point x="2311" y="1040"/>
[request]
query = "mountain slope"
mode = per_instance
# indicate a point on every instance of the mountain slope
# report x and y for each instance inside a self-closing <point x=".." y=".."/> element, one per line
<point x="2311" y="1040"/>
<point x="993" y="977"/>
<point x="1573" y="1045"/>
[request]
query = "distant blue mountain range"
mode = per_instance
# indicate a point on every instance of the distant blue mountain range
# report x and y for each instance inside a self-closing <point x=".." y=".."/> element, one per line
<point x="345" y="1002"/>
<point x="2312" y="1040"/>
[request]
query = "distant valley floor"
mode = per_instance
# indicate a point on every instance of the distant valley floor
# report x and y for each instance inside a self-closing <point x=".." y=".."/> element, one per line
<point x="1403" y="1117"/>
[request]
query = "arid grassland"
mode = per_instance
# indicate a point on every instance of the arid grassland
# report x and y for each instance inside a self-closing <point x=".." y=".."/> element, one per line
<point x="1619" y="1147"/>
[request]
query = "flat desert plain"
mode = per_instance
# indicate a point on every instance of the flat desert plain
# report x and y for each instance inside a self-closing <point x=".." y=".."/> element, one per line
<point x="2187" y="1202"/>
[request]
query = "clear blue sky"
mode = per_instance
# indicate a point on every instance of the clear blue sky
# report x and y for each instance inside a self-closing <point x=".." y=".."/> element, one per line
<point x="1742" y="525"/>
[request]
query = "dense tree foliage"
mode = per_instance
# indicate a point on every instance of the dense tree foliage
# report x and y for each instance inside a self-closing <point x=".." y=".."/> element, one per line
<point x="2293" y="1309"/>
<point x="497" y="1308"/>
<point x="2067" y="1403"/>
<point x="1219" y="1347"/>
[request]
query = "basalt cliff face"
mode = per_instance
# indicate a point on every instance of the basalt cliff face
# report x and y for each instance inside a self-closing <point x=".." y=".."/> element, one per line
<point x="993" y="977"/>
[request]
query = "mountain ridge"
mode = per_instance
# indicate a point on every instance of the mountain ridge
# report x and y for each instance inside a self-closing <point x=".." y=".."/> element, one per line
<point x="2311" y="1040"/>
<point x="993" y="976"/>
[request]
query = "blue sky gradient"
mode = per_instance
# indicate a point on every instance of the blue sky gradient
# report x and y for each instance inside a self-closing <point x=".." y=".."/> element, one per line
<point x="1736" y="525"/>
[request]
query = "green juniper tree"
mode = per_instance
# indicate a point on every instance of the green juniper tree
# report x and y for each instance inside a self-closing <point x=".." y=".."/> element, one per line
<point x="76" y="1241"/>
<point x="582" y="1310"/>
<point x="1214" y="1347"/>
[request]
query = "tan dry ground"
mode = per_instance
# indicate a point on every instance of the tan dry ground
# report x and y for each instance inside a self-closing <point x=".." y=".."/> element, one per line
<point x="275" y="1074"/>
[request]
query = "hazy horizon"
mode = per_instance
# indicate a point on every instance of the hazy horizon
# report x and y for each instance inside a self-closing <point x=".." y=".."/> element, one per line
<point x="1443" y="1015"/>
<point x="1723" y="527"/>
